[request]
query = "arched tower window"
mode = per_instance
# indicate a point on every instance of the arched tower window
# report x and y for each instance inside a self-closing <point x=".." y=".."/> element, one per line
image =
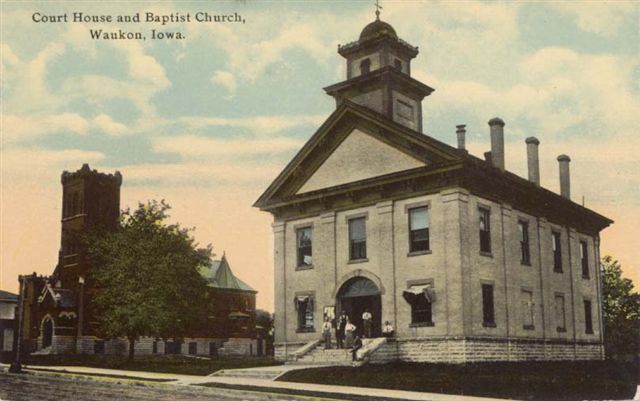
<point x="365" y="66"/>
<point x="398" y="64"/>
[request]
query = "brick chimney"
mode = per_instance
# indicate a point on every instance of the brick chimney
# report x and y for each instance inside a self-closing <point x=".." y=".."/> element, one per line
<point x="497" y="142"/>
<point x="565" y="183"/>
<point x="461" y="132"/>
<point x="533" y="162"/>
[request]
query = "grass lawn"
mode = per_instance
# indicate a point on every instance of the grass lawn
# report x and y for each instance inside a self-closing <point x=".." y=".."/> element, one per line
<point x="178" y="364"/>
<point x="525" y="381"/>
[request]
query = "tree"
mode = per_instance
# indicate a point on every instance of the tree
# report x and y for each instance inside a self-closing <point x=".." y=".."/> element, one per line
<point x="621" y="311"/>
<point x="146" y="279"/>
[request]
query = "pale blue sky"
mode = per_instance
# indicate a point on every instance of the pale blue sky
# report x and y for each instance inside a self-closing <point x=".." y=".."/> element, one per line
<point x="207" y="122"/>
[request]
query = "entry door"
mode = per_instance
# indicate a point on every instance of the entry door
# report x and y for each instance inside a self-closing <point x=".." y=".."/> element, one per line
<point x="355" y="306"/>
<point x="47" y="333"/>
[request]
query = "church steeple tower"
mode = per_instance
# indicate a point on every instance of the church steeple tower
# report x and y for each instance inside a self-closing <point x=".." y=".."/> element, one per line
<point x="379" y="75"/>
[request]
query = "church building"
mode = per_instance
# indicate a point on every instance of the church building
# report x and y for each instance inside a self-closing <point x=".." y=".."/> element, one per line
<point x="466" y="260"/>
<point x="57" y="312"/>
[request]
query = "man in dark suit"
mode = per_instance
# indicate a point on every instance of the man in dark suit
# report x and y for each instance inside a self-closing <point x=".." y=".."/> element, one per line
<point x="342" y="322"/>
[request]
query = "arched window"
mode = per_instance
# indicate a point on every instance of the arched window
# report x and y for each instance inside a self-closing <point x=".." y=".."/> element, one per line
<point x="365" y="66"/>
<point x="398" y="64"/>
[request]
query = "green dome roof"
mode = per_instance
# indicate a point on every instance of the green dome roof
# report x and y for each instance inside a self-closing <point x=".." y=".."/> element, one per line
<point x="376" y="29"/>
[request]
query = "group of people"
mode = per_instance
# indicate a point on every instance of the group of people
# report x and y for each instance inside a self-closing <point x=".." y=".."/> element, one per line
<point x="346" y="331"/>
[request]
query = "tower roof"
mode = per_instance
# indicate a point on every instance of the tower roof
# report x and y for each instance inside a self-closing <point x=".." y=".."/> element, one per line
<point x="377" y="29"/>
<point x="219" y="275"/>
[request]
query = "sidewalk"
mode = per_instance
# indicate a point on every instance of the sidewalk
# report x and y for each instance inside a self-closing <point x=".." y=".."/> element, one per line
<point x="246" y="382"/>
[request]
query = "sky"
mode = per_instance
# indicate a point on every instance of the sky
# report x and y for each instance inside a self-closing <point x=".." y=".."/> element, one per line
<point x="208" y="121"/>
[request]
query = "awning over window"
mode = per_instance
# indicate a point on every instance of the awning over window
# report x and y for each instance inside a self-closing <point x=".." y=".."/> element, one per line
<point x="425" y="290"/>
<point x="299" y="299"/>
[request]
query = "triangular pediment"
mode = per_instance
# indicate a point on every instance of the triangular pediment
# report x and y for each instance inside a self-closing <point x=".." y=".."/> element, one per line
<point x="354" y="145"/>
<point x="358" y="157"/>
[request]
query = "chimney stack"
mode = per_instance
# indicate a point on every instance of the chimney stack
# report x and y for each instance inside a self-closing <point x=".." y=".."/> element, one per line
<point x="497" y="142"/>
<point x="461" y="132"/>
<point x="533" y="162"/>
<point x="565" y="184"/>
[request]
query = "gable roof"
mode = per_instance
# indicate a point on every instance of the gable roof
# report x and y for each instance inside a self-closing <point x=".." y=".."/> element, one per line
<point x="219" y="275"/>
<point x="334" y="130"/>
<point x="445" y="167"/>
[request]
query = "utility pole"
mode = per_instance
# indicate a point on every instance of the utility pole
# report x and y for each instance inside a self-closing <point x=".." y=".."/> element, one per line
<point x="16" y="366"/>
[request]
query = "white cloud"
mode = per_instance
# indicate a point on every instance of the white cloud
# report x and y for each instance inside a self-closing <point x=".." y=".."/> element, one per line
<point x="203" y="173"/>
<point x="19" y="129"/>
<point x="601" y="17"/>
<point x="107" y="125"/>
<point x="225" y="79"/>
<point x="260" y="125"/>
<point x="197" y="146"/>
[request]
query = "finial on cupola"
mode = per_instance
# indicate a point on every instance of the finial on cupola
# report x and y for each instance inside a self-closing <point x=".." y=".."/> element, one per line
<point x="378" y="8"/>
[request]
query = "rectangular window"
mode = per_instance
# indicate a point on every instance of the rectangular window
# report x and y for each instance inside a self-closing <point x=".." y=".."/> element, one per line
<point x="421" y="310"/>
<point x="419" y="229"/>
<point x="557" y="252"/>
<point x="98" y="347"/>
<point x="527" y="310"/>
<point x="488" y="316"/>
<point x="357" y="238"/>
<point x="523" y="229"/>
<point x="560" y="314"/>
<point x="588" y="322"/>
<point x="304" y="306"/>
<point x="405" y="110"/>
<point x="213" y="349"/>
<point x="584" y="259"/>
<point x="193" y="348"/>
<point x="304" y="239"/>
<point x="485" y="230"/>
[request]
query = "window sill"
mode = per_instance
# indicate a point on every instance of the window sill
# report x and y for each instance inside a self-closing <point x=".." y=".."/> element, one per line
<point x="489" y="325"/>
<point x="588" y="332"/>
<point x="487" y="254"/>
<point x="422" y="324"/>
<point x="559" y="271"/>
<point x="528" y="327"/>
<point x="306" y="330"/>
<point x="586" y="277"/>
<point x="561" y="329"/>
<point x="354" y="261"/>
<point x="525" y="263"/>
<point x="304" y="267"/>
<point x="418" y="253"/>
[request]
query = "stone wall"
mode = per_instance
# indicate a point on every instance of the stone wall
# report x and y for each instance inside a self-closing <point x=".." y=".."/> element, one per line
<point x="460" y="350"/>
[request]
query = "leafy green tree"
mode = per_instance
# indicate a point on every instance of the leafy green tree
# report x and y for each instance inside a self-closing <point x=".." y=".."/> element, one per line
<point x="145" y="277"/>
<point x="621" y="311"/>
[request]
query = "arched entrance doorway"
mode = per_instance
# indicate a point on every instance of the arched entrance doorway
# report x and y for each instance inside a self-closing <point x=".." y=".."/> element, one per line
<point x="47" y="332"/>
<point x="356" y="295"/>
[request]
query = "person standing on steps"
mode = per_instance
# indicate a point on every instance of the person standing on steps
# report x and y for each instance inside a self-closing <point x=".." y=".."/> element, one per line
<point x="349" y="332"/>
<point x="340" y="325"/>
<point x="357" y="344"/>
<point x="387" y="330"/>
<point x="367" y="321"/>
<point x="326" y="332"/>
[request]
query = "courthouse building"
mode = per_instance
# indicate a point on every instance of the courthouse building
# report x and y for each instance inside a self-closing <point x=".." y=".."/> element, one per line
<point x="467" y="260"/>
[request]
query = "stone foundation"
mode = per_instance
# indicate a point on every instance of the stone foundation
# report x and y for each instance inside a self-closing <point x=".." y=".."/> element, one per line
<point x="237" y="347"/>
<point x="478" y="349"/>
<point x="470" y="349"/>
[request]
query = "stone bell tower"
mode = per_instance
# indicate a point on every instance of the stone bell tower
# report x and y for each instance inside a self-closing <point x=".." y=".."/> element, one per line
<point x="379" y="75"/>
<point x="90" y="200"/>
